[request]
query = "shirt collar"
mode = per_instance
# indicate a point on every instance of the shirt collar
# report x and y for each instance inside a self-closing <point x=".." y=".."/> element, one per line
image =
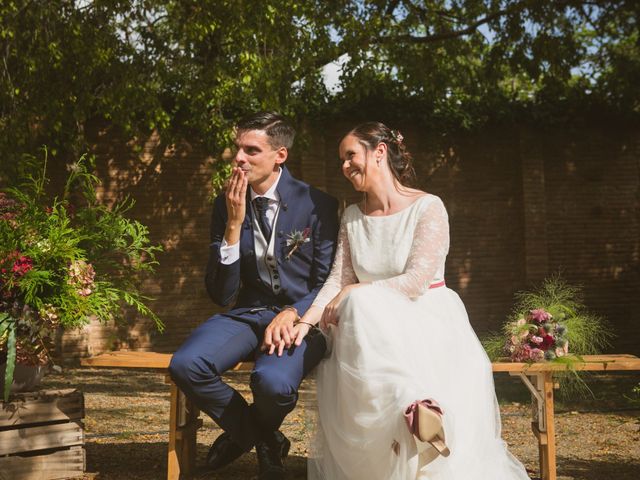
<point x="271" y="194"/>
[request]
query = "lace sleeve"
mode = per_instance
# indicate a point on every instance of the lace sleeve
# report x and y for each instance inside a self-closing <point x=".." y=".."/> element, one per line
<point x="428" y="252"/>
<point x="342" y="273"/>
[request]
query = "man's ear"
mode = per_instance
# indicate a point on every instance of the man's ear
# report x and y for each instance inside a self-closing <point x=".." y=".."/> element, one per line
<point x="281" y="155"/>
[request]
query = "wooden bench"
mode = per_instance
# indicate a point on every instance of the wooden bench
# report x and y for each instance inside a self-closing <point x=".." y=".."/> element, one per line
<point x="184" y="418"/>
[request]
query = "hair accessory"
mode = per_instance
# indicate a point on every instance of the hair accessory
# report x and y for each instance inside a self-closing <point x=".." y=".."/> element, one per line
<point x="397" y="136"/>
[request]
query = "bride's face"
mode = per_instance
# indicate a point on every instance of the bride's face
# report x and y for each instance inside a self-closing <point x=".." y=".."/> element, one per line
<point x="355" y="160"/>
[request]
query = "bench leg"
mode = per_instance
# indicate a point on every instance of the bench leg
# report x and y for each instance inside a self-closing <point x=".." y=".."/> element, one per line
<point x="183" y="428"/>
<point x="543" y="426"/>
<point x="173" y="464"/>
<point x="548" y="450"/>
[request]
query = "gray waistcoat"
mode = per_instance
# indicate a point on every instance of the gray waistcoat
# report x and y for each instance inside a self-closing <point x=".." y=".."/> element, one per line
<point x="265" y="253"/>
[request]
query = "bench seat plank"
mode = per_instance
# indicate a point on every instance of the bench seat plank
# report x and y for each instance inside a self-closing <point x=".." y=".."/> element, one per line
<point x="596" y="363"/>
<point x="130" y="359"/>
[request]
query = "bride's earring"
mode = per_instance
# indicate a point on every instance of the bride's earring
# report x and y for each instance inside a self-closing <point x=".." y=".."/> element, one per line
<point x="378" y="160"/>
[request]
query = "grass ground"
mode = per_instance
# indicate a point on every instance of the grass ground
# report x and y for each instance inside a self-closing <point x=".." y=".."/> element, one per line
<point x="127" y="415"/>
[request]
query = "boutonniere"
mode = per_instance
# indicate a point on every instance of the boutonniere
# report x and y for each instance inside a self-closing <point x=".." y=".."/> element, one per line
<point x="297" y="238"/>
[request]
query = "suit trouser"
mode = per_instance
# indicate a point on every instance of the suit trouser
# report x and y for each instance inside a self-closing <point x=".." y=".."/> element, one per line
<point x="219" y="344"/>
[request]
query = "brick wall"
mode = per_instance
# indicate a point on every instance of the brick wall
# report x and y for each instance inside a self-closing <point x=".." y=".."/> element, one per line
<point x="522" y="203"/>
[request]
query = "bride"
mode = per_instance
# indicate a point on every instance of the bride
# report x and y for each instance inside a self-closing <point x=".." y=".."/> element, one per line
<point x="397" y="334"/>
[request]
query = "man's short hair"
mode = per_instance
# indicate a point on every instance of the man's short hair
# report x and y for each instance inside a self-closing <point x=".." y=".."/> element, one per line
<point x="280" y="132"/>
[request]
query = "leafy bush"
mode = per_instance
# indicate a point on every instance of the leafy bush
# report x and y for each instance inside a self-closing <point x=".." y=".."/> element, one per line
<point x="64" y="260"/>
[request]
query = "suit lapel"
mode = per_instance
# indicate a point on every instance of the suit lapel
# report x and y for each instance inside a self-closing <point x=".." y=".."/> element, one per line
<point x="284" y="222"/>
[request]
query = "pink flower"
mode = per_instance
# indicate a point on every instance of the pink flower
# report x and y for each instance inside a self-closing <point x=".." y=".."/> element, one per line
<point x="81" y="275"/>
<point x="539" y="315"/>
<point x="8" y="207"/>
<point x="522" y="353"/>
<point x="564" y="350"/>
<point x="16" y="263"/>
<point x="536" y="355"/>
<point x="537" y="340"/>
<point x="22" y="265"/>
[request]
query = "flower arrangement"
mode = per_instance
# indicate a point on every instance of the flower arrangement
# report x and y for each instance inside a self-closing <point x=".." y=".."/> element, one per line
<point x="63" y="260"/>
<point x="296" y="239"/>
<point x="549" y="324"/>
<point x="537" y="336"/>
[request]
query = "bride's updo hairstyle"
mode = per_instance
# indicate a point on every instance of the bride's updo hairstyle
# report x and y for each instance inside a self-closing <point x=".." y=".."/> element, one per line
<point x="371" y="134"/>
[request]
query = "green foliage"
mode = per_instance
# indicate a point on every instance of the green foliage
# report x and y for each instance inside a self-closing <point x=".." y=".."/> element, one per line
<point x="576" y="332"/>
<point x="586" y="333"/>
<point x="221" y="173"/>
<point x="8" y="336"/>
<point x="191" y="69"/>
<point x="65" y="259"/>
<point x="635" y="396"/>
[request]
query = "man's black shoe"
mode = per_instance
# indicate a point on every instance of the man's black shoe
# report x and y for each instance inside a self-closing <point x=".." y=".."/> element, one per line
<point x="223" y="452"/>
<point x="282" y="444"/>
<point x="271" y="453"/>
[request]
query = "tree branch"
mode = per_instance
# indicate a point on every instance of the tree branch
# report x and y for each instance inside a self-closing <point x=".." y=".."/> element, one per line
<point x="423" y="13"/>
<point x="391" y="8"/>
<point x="445" y="35"/>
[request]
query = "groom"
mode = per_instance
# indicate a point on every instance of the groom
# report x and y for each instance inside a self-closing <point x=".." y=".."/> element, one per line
<point x="272" y="244"/>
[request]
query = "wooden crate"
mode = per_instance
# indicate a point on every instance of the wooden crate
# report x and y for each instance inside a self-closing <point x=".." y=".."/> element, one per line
<point x="42" y="436"/>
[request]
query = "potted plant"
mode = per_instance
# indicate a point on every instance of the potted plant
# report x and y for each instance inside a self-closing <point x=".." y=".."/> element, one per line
<point x="63" y="259"/>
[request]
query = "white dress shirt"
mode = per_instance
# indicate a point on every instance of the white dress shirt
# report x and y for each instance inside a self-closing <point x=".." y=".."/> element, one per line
<point x="231" y="253"/>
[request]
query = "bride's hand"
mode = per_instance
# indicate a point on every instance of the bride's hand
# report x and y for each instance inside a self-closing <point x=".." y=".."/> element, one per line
<point x="330" y="313"/>
<point x="300" y="331"/>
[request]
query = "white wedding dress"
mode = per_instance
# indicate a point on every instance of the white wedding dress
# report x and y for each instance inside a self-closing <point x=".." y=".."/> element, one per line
<point x="398" y="341"/>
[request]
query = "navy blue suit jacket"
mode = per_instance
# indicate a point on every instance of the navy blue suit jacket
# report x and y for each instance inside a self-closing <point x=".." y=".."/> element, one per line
<point x="301" y="275"/>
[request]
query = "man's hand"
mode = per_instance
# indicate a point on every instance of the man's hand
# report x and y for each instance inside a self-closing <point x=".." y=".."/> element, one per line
<point x="236" y="200"/>
<point x="280" y="333"/>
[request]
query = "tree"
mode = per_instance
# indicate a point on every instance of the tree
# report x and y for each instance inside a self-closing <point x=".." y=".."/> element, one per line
<point x="190" y="68"/>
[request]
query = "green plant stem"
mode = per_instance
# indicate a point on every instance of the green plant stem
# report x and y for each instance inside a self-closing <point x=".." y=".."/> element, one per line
<point x="11" y="360"/>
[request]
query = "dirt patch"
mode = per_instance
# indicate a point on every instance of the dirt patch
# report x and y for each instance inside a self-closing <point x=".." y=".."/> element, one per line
<point x="127" y="413"/>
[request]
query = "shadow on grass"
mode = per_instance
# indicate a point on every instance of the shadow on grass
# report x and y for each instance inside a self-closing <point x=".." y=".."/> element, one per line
<point x="109" y="382"/>
<point x="610" y="392"/>
<point x="117" y="381"/>
<point x="148" y="461"/>
<point x="131" y="461"/>
<point x="615" y="469"/>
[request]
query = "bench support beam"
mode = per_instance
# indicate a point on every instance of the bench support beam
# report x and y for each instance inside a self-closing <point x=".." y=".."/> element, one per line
<point x="541" y="386"/>
<point x="183" y="427"/>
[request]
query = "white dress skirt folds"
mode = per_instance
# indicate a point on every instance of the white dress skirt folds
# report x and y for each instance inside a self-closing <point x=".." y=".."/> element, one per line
<point x="398" y="341"/>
